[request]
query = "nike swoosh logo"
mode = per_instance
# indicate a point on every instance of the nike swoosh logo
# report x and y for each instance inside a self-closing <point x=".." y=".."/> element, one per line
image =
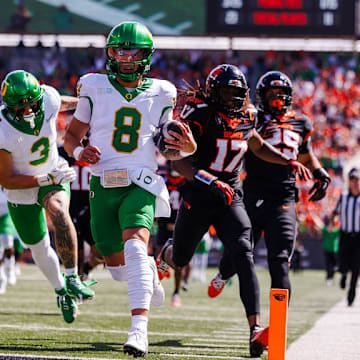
<point x="259" y="202"/>
<point x="138" y="178"/>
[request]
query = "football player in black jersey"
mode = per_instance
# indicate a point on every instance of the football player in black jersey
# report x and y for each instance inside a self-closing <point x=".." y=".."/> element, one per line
<point x="269" y="189"/>
<point x="223" y="128"/>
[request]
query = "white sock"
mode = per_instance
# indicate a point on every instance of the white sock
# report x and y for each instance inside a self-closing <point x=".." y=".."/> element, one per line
<point x="9" y="263"/>
<point x="140" y="276"/>
<point x="71" y="271"/>
<point x="118" y="273"/>
<point x="139" y="322"/>
<point x="46" y="259"/>
<point x="2" y="272"/>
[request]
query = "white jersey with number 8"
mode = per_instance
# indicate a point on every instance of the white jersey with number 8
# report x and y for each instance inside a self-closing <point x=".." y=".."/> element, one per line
<point x="122" y="121"/>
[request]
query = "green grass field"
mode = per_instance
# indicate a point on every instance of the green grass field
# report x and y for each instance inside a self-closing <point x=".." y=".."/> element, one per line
<point x="204" y="328"/>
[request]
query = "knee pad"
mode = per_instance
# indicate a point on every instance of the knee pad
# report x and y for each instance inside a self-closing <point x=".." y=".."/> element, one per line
<point x="118" y="273"/>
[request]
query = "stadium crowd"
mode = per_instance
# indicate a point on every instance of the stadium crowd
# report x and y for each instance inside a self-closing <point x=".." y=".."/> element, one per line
<point x="326" y="88"/>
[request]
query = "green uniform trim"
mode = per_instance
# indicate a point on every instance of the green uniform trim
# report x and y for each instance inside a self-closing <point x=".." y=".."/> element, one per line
<point x="23" y="126"/>
<point x="115" y="209"/>
<point x="128" y="96"/>
<point x="6" y="151"/>
<point x="164" y="110"/>
<point x="90" y="102"/>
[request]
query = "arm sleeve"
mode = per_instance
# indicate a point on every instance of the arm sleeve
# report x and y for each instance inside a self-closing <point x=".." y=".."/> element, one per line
<point x="167" y="102"/>
<point x="305" y="147"/>
<point x="83" y="110"/>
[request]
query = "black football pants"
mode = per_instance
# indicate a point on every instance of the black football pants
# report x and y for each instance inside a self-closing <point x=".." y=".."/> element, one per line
<point x="277" y="219"/>
<point x="200" y="210"/>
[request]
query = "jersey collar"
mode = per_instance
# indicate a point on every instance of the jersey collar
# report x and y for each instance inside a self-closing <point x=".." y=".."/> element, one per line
<point x="22" y="126"/>
<point x="130" y="95"/>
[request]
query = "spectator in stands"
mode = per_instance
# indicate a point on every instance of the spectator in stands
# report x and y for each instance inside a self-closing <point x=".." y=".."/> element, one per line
<point x="19" y="20"/>
<point x="348" y="210"/>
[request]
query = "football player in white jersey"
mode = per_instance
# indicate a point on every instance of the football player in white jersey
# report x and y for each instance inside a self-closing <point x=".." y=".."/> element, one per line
<point x="35" y="180"/>
<point x="122" y="110"/>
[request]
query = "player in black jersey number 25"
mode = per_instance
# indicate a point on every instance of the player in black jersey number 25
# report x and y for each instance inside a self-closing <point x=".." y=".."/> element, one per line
<point x="269" y="189"/>
<point x="223" y="127"/>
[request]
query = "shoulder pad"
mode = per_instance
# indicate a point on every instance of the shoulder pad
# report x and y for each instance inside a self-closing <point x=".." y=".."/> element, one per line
<point x="166" y="88"/>
<point x="90" y="81"/>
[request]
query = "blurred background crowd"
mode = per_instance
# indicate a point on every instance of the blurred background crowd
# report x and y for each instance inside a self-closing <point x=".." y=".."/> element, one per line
<point x="326" y="88"/>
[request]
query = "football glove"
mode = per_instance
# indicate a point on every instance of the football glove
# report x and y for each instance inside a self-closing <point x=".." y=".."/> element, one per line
<point x="303" y="171"/>
<point x="57" y="176"/>
<point x="220" y="188"/>
<point x="321" y="183"/>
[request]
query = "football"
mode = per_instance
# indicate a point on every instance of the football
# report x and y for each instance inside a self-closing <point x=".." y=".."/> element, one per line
<point x="163" y="133"/>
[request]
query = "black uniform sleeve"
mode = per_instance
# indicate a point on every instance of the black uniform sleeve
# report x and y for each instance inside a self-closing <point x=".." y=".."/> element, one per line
<point x="193" y="114"/>
<point x="308" y="129"/>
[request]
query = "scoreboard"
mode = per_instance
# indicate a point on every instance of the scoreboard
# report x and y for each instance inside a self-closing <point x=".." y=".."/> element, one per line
<point x="281" y="17"/>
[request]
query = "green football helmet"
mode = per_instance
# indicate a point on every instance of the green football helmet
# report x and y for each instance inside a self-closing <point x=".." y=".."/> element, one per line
<point x="129" y="38"/>
<point x="20" y="89"/>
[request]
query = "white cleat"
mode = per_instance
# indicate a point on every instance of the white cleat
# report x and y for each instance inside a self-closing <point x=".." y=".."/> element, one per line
<point x="158" y="296"/>
<point x="136" y="344"/>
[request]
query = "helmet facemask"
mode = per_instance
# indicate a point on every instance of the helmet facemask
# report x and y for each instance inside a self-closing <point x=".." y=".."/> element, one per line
<point x="276" y="103"/>
<point x="128" y="64"/>
<point x="18" y="113"/>
<point x="231" y="100"/>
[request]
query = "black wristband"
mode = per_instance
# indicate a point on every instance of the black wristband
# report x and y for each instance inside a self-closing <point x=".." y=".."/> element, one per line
<point x="321" y="174"/>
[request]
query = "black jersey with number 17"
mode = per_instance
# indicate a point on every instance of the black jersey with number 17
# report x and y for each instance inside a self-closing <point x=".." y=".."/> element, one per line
<point x="290" y="135"/>
<point x="221" y="141"/>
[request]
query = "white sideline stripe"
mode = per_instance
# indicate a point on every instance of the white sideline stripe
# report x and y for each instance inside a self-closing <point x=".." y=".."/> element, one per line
<point x="39" y="357"/>
<point x="192" y="348"/>
<point x="230" y="340"/>
<point x="204" y="356"/>
<point x="36" y="357"/>
<point x="211" y="347"/>
<point x="127" y="314"/>
<point x="53" y="328"/>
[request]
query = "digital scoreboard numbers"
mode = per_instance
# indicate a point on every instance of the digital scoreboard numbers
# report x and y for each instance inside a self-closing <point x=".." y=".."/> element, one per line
<point x="281" y="17"/>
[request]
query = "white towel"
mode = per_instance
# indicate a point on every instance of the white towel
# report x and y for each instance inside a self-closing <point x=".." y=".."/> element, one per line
<point x="154" y="184"/>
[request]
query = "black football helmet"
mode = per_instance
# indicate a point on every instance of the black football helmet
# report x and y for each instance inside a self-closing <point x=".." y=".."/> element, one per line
<point x="226" y="89"/>
<point x="283" y="102"/>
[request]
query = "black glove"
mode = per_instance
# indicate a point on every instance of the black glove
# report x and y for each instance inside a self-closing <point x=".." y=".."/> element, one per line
<point x="321" y="183"/>
<point x="220" y="188"/>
